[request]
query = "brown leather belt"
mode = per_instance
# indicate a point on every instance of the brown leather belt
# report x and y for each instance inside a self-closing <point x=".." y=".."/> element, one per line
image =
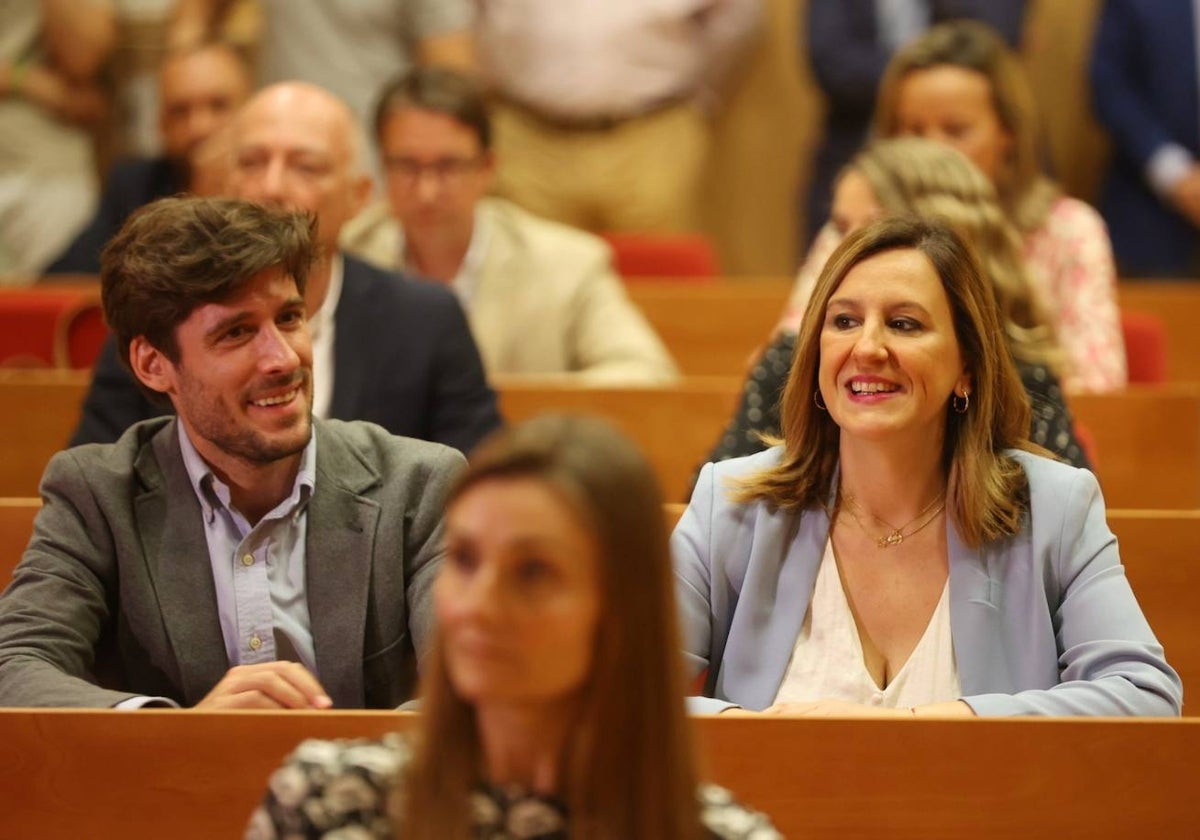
<point x="603" y="123"/>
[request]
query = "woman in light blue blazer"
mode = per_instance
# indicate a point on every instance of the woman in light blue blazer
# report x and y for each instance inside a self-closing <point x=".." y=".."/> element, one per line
<point x="905" y="550"/>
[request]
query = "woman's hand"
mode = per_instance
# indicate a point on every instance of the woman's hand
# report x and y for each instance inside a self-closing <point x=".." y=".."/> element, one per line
<point x="835" y="708"/>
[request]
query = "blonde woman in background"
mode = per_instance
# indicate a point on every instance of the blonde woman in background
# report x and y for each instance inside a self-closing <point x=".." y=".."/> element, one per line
<point x="961" y="85"/>
<point x="910" y="175"/>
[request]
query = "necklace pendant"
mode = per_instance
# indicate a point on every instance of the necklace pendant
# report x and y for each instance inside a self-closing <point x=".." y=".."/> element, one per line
<point x="894" y="538"/>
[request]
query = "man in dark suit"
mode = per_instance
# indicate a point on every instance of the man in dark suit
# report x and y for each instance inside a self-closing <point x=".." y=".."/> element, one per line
<point x="241" y="554"/>
<point x="1146" y="92"/>
<point x="199" y="89"/>
<point x="388" y="349"/>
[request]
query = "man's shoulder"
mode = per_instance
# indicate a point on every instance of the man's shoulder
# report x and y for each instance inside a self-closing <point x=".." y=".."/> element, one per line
<point x="366" y="284"/>
<point x="539" y="237"/>
<point x="342" y="443"/>
<point x="147" y="178"/>
<point x="113" y="472"/>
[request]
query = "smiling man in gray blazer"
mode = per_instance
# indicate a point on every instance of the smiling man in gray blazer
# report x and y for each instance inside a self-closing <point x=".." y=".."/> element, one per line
<point x="241" y="554"/>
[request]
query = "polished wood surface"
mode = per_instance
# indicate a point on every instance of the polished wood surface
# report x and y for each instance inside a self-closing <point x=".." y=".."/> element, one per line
<point x="713" y="328"/>
<point x="153" y="774"/>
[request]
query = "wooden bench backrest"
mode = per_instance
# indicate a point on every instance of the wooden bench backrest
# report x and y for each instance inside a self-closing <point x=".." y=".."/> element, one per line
<point x="712" y="329"/>
<point x="1177" y="305"/>
<point x="71" y="774"/>
<point x="41" y="409"/>
<point x="1147" y="441"/>
<point x="1147" y="438"/>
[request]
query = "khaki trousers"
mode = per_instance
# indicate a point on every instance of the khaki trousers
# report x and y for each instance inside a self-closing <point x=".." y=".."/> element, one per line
<point x="642" y="174"/>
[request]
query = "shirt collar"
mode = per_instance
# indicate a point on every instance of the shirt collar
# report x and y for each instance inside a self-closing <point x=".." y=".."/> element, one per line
<point x="466" y="281"/>
<point x="323" y="317"/>
<point x="213" y="494"/>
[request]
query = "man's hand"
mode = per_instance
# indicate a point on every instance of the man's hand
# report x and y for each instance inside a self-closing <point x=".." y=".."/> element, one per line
<point x="267" y="685"/>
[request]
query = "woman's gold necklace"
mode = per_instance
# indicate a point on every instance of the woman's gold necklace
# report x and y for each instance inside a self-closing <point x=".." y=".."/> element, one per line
<point x="896" y="535"/>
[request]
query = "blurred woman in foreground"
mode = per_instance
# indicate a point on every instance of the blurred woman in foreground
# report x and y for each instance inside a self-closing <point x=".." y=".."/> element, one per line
<point x="552" y="702"/>
<point x="906" y="551"/>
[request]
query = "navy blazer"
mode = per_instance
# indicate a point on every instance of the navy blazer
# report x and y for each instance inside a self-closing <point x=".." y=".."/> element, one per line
<point x="1144" y="92"/>
<point x="1042" y="623"/>
<point x="132" y="183"/>
<point x="403" y="357"/>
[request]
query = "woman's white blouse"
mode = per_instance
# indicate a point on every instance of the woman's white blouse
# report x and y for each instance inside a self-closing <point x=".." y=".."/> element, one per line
<point x="827" y="662"/>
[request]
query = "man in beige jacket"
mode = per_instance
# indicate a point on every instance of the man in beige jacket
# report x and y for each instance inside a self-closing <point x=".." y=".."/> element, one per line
<point x="541" y="298"/>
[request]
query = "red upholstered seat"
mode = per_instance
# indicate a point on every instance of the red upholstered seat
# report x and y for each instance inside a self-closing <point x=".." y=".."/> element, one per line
<point x="1145" y="347"/>
<point x="683" y="256"/>
<point x="50" y="326"/>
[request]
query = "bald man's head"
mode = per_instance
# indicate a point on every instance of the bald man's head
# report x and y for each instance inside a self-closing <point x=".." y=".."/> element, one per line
<point x="298" y="146"/>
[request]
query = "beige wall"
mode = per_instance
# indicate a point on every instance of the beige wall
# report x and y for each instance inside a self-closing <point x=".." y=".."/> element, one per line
<point x="765" y="135"/>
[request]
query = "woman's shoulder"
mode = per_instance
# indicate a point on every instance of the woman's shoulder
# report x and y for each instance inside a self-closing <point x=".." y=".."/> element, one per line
<point x="746" y="465"/>
<point x="383" y="757"/>
<point x="727" y="819"/>
<point x="324" y="786"/>
<point x="1050" y="478"/>
<point x="1070" y="217"/>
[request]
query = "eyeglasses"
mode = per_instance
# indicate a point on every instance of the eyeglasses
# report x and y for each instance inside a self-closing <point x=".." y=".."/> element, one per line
<point x="447" y="171"/>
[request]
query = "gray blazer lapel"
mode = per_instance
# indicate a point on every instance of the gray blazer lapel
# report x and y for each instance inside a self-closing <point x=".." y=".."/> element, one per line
<point x="175" y="551"/>
<point x="976" y="594"/>
<point x="338" y="558"/>
<point x="766" y="635"/>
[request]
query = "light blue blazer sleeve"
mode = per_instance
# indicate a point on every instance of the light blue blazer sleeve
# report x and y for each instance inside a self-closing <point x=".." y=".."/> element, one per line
<point x="1042" y="623"/>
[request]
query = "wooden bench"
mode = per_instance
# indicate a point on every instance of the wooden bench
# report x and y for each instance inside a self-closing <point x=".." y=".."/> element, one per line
<point x="675" y="425"/>
<point x="1147" y="438"/>
<point x="1177" y="306"/>
<point x="41" y="409"/>
<point x="1147" y="441"/>
<point x="150" y="774"/>
<point x="713" y="328"/>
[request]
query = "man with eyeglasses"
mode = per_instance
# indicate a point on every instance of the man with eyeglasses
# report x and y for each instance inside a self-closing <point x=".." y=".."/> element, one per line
<point x="386" y="348"/>
<point x="542" y="298"/>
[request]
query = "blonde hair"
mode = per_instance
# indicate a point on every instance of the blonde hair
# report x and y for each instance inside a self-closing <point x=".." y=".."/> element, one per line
<point x="628" y="768"/>
<point x="1025" y="193"/>
<point x="911" y="175"/>
<point x="986" y="489"/>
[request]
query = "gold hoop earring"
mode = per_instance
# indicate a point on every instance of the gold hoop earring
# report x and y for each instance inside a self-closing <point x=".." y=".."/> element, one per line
<point x="960" y="404"/>
<point x="817" y="399"/>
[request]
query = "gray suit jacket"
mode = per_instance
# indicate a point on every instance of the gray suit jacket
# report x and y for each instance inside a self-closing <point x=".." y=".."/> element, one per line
<point x="1043" y="622"/>
<point x="115" y="596"/>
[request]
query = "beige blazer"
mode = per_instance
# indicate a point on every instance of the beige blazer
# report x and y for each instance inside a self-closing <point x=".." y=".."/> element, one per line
<point x="547" y="301"/>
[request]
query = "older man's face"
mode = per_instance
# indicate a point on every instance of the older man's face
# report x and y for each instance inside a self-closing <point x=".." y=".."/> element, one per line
<point x="293" y="146"/>
<point x="437" y="170"/>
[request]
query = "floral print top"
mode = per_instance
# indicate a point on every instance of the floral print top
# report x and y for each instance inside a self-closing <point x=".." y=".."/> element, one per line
<point x="339" y="790"/>
<point x="1074" y="279"/>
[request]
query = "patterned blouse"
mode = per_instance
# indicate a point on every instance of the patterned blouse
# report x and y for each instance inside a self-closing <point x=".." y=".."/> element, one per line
<point x="339" y="790"/>
<point x="1073" y="276"/>
<point x="1051" y="424"/>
